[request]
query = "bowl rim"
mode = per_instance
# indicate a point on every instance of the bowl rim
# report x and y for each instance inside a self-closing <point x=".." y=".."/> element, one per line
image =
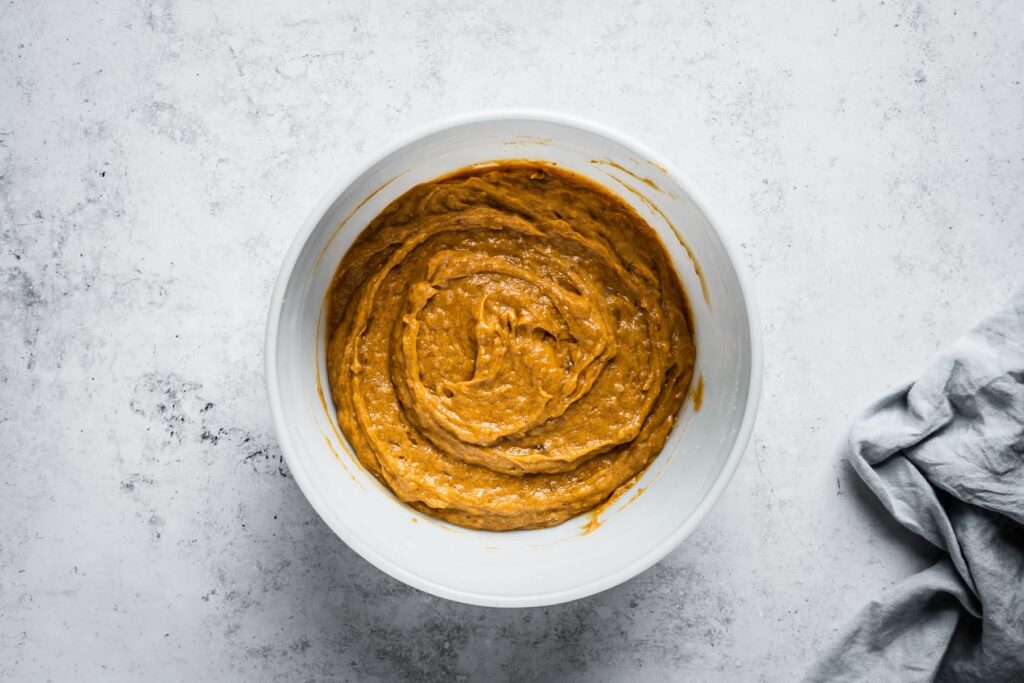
<point x="368" y="552"/>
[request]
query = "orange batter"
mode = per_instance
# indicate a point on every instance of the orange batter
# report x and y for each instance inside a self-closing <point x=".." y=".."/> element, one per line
<point x="509" y="346"/>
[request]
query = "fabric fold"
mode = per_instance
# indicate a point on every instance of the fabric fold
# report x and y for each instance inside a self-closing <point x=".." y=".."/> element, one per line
<point x="945" y="456"/>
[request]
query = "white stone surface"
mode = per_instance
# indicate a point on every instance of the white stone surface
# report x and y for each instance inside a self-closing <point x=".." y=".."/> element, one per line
<point x="156" y="159"/>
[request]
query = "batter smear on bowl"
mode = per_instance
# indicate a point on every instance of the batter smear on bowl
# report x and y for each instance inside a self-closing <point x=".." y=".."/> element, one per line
<point x="509" y="345"/>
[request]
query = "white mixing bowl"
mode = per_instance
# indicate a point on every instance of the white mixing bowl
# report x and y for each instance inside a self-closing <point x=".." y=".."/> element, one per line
<point x="579" y="557"/>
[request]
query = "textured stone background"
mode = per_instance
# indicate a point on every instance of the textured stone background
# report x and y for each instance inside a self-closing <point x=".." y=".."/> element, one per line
<point x="156" y="159"/>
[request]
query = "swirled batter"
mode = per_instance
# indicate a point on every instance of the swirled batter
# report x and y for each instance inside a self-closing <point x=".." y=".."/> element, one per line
<point x="510" y="345"/>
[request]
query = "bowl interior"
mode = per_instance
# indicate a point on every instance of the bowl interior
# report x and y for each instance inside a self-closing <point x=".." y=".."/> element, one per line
<point x="525" y="567"/>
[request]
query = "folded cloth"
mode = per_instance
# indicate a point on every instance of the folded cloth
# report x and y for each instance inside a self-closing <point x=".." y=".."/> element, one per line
<point x="945" y="455"/>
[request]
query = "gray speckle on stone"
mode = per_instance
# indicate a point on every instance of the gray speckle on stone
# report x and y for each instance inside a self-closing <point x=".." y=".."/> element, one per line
<point x="156" y="160"/>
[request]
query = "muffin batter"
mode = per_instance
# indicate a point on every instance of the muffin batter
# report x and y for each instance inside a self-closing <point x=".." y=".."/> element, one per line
<point x="509" y="346"/>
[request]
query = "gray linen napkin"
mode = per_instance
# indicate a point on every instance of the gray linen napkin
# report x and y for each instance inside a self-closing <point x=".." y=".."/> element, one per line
<point x="946" y="457"/>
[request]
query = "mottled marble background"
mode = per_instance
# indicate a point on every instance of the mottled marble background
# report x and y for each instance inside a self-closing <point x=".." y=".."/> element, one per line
<point x="156" y="160"/>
